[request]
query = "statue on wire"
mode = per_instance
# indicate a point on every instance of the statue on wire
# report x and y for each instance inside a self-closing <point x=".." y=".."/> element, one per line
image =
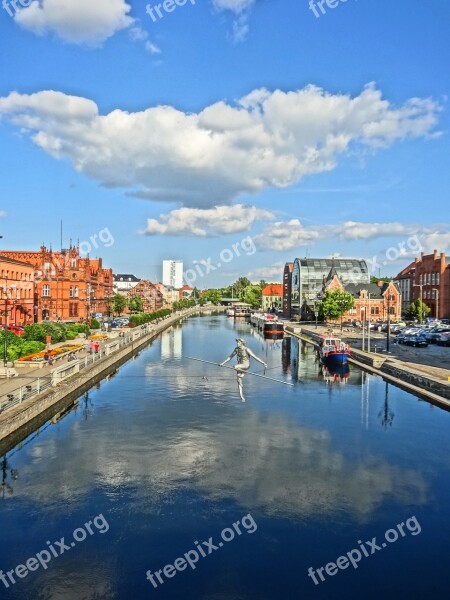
<point x="243" y="355"/>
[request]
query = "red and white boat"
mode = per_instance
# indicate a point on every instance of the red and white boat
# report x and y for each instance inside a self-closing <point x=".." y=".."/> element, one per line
<point x="333" y="351"/>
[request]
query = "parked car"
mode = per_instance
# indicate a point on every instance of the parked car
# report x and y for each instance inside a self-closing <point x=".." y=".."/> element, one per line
<point x="16" y="329"/>
<point x="415" y="340"/>
<point x="400" y="339"/>
<point x="435" y="335"/>
<point x="443" y="339"/>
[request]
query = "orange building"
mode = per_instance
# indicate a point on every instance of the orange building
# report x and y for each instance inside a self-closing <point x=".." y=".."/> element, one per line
<point x="17" y="292"/>
<point x="67" y="286"/>
<point x="151" y="297"/>
<point x="272" y="297"/>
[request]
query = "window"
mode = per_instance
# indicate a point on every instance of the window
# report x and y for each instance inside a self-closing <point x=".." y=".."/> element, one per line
<point x="73" y="291"/>
<point x="433" y="278"/>
<point x="46" y="290"/>
<point x="437" y="278"/>
<point x="391" y="310"/>
<point x="374" y="310"/>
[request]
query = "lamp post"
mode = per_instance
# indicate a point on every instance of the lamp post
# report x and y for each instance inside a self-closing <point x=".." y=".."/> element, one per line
<point x="420" y="285"/>
<point x="363" y="310"/>
<point x="388" y="339"/>
<point x="368" y="325"/>
<point x="436" y="297"/>
<point x="5" y="332"/>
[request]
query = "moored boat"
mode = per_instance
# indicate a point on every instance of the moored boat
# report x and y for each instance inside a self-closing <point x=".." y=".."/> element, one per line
<point x="267" y="324"/>
<point x="333" y="351"/>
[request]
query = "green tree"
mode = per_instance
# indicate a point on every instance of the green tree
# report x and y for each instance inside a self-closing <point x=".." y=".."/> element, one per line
<point x="118" y="303"/>
<point x="417" y="310"/>
<point x="252" y="295"/>
<point x="212" y="295"/>
<point x="335" y="304"/>
<point x="136" y="304"/>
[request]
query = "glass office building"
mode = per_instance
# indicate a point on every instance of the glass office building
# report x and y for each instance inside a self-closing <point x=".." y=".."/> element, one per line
<point x="309" y="274"/>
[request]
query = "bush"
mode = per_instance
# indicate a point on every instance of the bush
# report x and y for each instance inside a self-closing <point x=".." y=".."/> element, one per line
<point x="34" y="332"/>
<point x="94" y="324"/>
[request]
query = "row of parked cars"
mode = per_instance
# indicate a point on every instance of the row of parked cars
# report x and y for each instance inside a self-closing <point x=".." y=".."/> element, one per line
<point x="421" y="336"/>
<point x="120" y="322"/>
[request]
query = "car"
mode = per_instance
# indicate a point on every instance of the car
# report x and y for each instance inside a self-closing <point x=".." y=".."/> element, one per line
<point x="415" y="340"/>
<point x="445" y="321"/>
<point x="16" y="329"/>
<point x="443" y="339"/>
<point x="434" y="336"/>
<point x="400" y="339"/>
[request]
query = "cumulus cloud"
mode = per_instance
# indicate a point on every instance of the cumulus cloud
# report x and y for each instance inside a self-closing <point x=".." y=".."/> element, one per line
<point x="288" y="235"/>
<point x="205" y="222"/>
<point x="271" y="273"/>
<point x="89" y="22"/>
<point x="241" y="10"/>
<point x="266" y="140"/>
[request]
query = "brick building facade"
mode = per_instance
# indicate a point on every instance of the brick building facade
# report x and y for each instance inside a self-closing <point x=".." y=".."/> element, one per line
<point x="67" y="286"/>
<point x="373" y="301"/>
<point x="151" y="297"/>
<point x="429" y="279"/>
<point x="17" y="295"/>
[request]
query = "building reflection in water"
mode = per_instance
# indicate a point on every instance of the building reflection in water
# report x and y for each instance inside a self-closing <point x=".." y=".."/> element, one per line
<point x="172" y="343"/>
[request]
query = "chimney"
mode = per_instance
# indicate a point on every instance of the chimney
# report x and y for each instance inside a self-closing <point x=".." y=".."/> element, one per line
<point x="380" y="284"/>
<point x="434" y="254"/>
<point x="443" y="265"/>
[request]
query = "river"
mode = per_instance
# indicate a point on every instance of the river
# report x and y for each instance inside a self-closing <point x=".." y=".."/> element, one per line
<point x="163" y="463"/>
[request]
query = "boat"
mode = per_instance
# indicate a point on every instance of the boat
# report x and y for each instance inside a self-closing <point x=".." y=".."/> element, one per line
<point x="267" y="324"/>
<point x="241" y="309"/>
<point x="230" y="312"/>
<point x="333" y="351"/>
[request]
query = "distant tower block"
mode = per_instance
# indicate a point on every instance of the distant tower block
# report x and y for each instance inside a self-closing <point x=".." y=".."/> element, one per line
<point x="173" y="273"/>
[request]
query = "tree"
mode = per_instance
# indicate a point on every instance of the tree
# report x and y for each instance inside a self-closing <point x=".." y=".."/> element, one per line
<point x="335" y="304"/>
<point x="136" y="304"/>
<point x="417" y="310"/>
<point x="118" y="303"/>
<point x="252" y="295"/>
<point x="377" y="279"/>
<point x="213" y="296"/>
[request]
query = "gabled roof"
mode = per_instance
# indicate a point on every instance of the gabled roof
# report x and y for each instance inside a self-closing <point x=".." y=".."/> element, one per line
<point x="375" y="291"/>
<point x="274" y="289"/>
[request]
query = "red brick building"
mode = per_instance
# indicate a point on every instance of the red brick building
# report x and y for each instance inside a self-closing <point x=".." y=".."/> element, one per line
<point x="287" y="289"/>
<point x="373" y="301"/>
<point x="429" y="278"/>
<point x="16" y="292"/>
<point x="67" y="286"/>
<point x="152" y="298"/>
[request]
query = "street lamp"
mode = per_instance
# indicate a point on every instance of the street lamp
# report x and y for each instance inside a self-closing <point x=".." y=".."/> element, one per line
<point x="436" y="297"/>
<point x="5" y="336"/>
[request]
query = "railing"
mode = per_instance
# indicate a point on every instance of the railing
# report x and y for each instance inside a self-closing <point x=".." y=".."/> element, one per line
<point x="38" y="385"/>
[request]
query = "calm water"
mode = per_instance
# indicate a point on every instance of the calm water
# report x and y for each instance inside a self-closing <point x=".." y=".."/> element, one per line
<point x="170" y="458"/>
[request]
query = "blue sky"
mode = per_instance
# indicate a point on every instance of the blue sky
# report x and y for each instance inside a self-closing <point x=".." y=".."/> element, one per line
<point x="312" y="136"/>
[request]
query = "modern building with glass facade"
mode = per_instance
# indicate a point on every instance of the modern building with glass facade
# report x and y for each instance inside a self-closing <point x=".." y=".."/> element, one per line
<point x="309" y="275"/>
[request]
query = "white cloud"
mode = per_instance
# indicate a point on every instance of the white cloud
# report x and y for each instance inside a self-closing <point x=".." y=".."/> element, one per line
<point x="267" y="140"/>
<point x="89" y="22"/>
<point x="205" y="222"/>
<point x="290" y="235"/>
<point x="241" y="9"/>
<point x="271" y="273"/>
<point x="2" y="214"/>
<point x="138" y="34"/>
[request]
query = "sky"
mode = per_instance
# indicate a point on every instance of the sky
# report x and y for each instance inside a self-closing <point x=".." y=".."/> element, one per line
<point x="234" y="135"/>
